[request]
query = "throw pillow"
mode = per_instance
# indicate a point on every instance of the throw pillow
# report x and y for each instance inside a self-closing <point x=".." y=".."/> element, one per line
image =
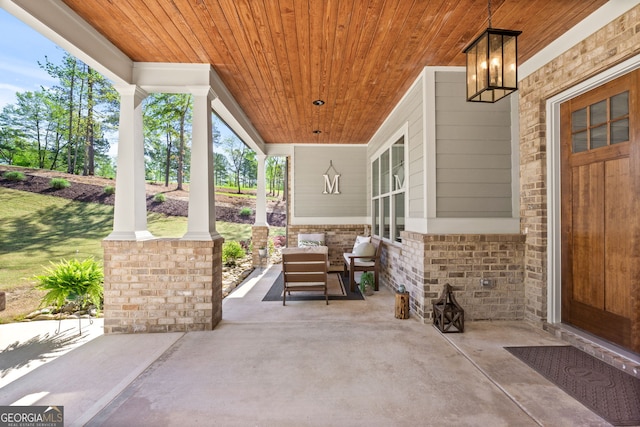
<point x="307" y="243"/>
<point x="310" y="239"/>
<point x="360" y="240"/>
<point x="364" y="249"/>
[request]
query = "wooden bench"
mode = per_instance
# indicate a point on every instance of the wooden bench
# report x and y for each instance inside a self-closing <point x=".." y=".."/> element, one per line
<point x="353" y="263"/>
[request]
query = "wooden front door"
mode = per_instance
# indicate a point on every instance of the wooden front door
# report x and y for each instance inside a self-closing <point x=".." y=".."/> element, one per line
<point x="600" y="198"/>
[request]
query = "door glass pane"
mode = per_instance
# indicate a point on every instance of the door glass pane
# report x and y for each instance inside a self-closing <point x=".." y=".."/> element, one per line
<point x="598" y="113"/>
<point x="619" y="105"/>
<point x="579" y="120"/>
<point x="598" y="137"/>
<point x="384" y="172"/>
<point x="375" y="178"/>
<point x="386" y="224"/>
<point x="579" y="142"/>
<point x="398" y="218"/>
<point x="620" y="131"/>
<point x="397" y="159"/>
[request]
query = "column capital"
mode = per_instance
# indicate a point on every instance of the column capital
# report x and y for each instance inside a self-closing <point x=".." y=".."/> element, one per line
<point x="203" y="91"/>
<point x="136" y="91"/>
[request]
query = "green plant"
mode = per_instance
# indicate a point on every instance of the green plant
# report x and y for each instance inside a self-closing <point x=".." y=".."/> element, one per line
<point x="366" y="283"/>
<point x="245" y="212"/>
<point x="160" y="198"/>
<point x="76" y="280"/>
<point x="59" y="183"/>
<point x="231" y="252"/>
<point x="109" y="190"/>
<point x="14" y="176"/>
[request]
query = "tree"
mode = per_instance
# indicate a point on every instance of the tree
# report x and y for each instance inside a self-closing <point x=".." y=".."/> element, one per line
<point x="275" y="174"/>
<point x="249" y="168"/>
<point x="32" y="123"/>
<point x="12" y="141"/>
<point x="167" y="118"/>
<point x="236" y="152"/>
<point x="88" y="103"/>
<point x="220" y="166"/>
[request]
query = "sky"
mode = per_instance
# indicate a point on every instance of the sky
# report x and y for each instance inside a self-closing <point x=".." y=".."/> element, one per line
<point x="21" y="48"/>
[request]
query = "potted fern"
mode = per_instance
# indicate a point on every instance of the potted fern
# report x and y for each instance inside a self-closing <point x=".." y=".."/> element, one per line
<point x="74" y="281"/>
<point x="367" y="283"/>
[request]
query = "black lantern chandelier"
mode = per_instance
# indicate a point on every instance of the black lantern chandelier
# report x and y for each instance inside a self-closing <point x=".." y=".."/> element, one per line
<point x="492" y="64"/>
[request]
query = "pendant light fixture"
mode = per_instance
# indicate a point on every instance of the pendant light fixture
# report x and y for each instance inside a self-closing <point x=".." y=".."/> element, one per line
<point x="492" y="64"/>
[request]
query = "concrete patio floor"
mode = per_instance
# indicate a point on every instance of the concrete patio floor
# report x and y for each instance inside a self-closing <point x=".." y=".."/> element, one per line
<point x="350" y="363"/>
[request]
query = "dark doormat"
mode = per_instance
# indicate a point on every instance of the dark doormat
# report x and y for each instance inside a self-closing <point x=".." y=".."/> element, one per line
<point x="339" y="291"/>
<point x="607" y="391"/>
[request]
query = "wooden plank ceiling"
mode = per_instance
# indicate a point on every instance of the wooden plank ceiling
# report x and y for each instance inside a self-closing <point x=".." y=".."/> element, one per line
<point x="359" y="56"/>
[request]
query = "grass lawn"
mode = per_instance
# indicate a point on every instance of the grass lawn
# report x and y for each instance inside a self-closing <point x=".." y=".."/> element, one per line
<point x="36" y="230"/>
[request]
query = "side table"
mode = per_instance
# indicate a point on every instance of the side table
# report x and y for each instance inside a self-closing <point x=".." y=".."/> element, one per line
<point x="402" y="305"/>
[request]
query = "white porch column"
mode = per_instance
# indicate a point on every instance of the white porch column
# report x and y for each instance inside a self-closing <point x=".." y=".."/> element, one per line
<point x="261" y="194"/>
<point x="201" y="224"/>
<point x="130" y="209"/>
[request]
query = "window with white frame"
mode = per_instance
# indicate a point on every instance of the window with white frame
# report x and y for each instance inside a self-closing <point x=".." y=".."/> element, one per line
<point x="388" y="192"/>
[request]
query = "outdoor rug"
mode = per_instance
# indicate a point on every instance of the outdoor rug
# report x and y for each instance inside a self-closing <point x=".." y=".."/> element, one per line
<point x="609" y="392"/>
<point x="337" y="288"/>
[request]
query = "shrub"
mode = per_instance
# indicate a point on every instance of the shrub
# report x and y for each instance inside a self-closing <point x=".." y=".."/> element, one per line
<point x="245" y="212"/>
<point x="279" y="241"/>
<point x="160" y="198"/>
<point x="367" y="283"/>
<point x="59" y="183"/>
<point x="109" y="190"/>
<point x="14" y="176"/>
<point x="80" y="281"/>
<point x="247" y="245"/>
<point x="231" y="252"/>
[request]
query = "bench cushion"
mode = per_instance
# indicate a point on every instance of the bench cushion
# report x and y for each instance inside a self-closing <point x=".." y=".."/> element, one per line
<point x="358" y="262"/>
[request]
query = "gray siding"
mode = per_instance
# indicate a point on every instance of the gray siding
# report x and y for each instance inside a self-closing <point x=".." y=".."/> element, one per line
<point x="311" y="163"/>
<point x="409" y="110"/>
<point x="473" y="153"/>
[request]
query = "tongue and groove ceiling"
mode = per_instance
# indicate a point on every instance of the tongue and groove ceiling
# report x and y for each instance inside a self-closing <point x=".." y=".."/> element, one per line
<point x="359" y="56"/>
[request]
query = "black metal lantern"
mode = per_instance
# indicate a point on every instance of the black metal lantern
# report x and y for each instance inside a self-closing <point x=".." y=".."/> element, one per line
<point x="492" y="64"/>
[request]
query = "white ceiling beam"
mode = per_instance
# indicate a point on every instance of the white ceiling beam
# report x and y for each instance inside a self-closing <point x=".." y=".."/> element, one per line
<point x="56" y="21"/>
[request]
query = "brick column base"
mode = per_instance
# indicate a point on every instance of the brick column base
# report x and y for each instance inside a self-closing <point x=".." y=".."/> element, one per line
<point x="162" y="285"/>
<point x="260" y="239"/>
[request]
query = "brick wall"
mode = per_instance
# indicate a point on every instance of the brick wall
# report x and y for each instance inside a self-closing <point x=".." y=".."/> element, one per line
<point x="162" y="285"/>
<point x="426" y="262"/>
<point x="259" y="239"/>
<point x="615" y="42"/>
<point x="339" y="238"/>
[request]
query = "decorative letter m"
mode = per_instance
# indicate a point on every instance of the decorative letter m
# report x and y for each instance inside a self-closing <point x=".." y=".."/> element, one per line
<point x="331" y="187"/>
